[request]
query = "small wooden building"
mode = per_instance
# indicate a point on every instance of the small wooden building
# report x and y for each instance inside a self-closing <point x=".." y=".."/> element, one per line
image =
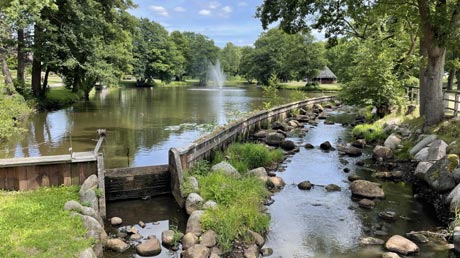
<point x="326" y="76"/>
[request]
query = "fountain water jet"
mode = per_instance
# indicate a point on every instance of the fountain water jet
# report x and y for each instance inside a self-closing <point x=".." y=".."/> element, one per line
<point x="216" y="74"/>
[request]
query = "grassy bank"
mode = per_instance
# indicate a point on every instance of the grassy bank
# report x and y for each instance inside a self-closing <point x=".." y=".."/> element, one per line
<point x="33" y="224"/>
<point x="13" y="109"/>
<point x="300" y="85"/>
<point x="59" y="97"/>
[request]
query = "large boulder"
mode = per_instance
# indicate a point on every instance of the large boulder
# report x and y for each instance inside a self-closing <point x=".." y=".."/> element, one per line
<point x="392" y="141"/>
<point x="90" y="199"/>
<point x="208" y="238"/>
<point x="437" y="150"/>
<point x="194" y="222"/>
<point x="422" y="155"/>
<point x="280" y="126"/>
<point x="90" y="183"/>
<point x="351" y="151"/>
<point x="305" y="185"/>
<point x="193" y="202"/>
<point x="117" y="245"/>
<point x="276" y="182"/>
<point x="150" y="247"/>
<point x="366" y="189"/>
<point x="189" y="240"/>
<point x="261" y="134"/>
<point x="88" y="253"/>
<point x="196" y="251"/>
<point x="439" y="177"/>
<point x="274" y="139"/>
<point x="167" y="238"/>
<point x="423" y="143"/>
<point x="453" y="199"/>
<point x="325" y="145"/>
<point x="382" y="152"/>
<point x="288" y="145"/>
<point x="259" y="173"/>
<point x="422" y="168"/>
<point x="225" y="168"/>
<point x="454" y="148"/>
<point x="401" y="245"/>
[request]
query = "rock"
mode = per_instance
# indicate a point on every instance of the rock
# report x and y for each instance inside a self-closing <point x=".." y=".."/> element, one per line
<point x="417" y="237"/>
<point x="401" y="245"/>
<point x="141" y="224"/>
<point x="91" y="223"/>
<point x="293" y="123"/>
<point x="422" y="144"/>
<point x="117" y="245"/>
<point x="194" y="183"/>
<point x="261" y="134"/>
<point x="453" y="199"/>
<point x="439" y="177"/>
<point x="92" y="213"/>
<point x="359" y="143"/>
<point x="280" y="126"/>
<point x="274" y="139"/>
<point x="209" y="238"/>
<point x="266" y="252"/>
<point x="397" y="174"/>
<point x="150" y="247"/>
<point x="332" y="188"/>
<point x="392" y="141"/>
<point x="189" y="240"/>
<point x="259" y="173"/>
<point x="456" y="239"/>
<point x="251" y="252"/>
<point x="352" y="178"/>
<point x="115" y="221"/>
<point x="371" y="241"/>
<point x="437" y="150"/>
<point x="383" y="175"/>
<point x="196" y="251"/>
<point x="346" y="170"/>
<point x="88" y="253"/>
<point x="276" y="182"/>
<point x="360" y="163"/>
<point x="100" y="237"/>
<point x="366" y="189"/>
<point x="325" y="145"/>
<point x="210" y="205"/>
<point x="390" y="255"/>
<point x="453" y="148"/>
<point x="133" y="230"/>
<point x="226" y="168"/>
<point x="305" y="185"/>
<point x="382" y="152"/>
<point x="288" y="145"/>
<point x="388" y="215"/>
<point x="90" y="182"/>
<point x="258" y="238"/>
<point x="135" y="237"/>
<point x="422" y="168"/>
<point x="317" y="108"/>
<point x="73" y="206"/>
<point x="167" y="238"/>
<point x="367" y="204"/>
<point x="309" y="146"/>
<point x="89" y="198"/>
<point x="422" y="155"/>
<point x="351" y="151"/>
<point x="215" y="253"/>
<point x="193" y="202"/>
<point x="193" y="223"/>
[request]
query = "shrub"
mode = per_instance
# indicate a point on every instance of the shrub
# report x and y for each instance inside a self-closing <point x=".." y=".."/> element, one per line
<point x="370" y="132"/>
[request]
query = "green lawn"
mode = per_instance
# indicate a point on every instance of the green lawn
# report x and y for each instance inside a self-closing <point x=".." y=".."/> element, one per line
<point x="59" y="97"/>
<point x="300" y="85"/>
<point x="34" y="224"/>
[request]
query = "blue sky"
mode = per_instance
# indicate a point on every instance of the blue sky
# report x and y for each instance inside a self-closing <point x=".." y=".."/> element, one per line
<point x="222" y="21"/>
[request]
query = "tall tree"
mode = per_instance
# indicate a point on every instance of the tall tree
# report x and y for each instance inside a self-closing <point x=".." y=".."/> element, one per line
<point x="202" y="52"/>
<point x="230" y="58"/>
<point x="438" y="21"/>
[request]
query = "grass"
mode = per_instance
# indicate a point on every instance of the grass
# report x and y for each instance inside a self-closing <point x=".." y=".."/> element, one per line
<point x="33" y="224"/>
<point x="300" y="85"/>
<point x="448" y="131"/>
<point x="59" y="97"/>
<point x="370" y="132"/>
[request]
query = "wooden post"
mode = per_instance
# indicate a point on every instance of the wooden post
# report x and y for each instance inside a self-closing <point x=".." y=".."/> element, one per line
<point x="457" y="95"/>
<point x="101" y="179"/>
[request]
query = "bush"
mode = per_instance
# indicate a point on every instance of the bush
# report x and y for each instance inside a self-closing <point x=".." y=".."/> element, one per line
<point x="59" y="97"/>
<point x="13" y="109"/>
<point x="370" y="132"/>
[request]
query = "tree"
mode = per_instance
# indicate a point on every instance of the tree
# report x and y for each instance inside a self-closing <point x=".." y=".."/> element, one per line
<point x="230" y="58"/>
<point x="202" y="52"/>
<point x="182" y="47"/>
<point x="246" y="64"/>
<point x="438" y="21"/>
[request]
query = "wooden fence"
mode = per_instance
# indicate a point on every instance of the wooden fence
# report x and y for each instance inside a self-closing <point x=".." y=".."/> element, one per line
<point x="451" y="99"/>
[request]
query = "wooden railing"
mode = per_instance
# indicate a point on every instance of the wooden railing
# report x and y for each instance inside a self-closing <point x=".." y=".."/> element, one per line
<point x="451" y="99"/>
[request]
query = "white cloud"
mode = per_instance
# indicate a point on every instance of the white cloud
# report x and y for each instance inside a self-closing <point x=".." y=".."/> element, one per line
<point x="159" y="10"/>
<point x="227" y="9"/>
<point x="204" y="12"/>
<point x="214" y="5"/>
<point x="242" y="4"/>
<point x="180" y="9"/>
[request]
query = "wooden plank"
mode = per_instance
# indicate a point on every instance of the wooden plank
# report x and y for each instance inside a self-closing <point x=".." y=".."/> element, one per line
<point x="22" y="177"/>
<point x="46" y="160"/>
<point x="2" y="178"/>
<point x="101" y="180"/>
<point x="456" y="104"/>
<point x="66" y="174"/>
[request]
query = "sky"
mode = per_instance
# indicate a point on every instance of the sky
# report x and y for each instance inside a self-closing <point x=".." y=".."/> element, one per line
<point x="223" y="21"/>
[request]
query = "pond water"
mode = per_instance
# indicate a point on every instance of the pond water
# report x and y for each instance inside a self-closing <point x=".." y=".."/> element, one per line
<point x="142" y="124"/>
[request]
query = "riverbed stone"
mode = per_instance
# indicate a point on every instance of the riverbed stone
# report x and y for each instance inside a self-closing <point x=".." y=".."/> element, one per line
<point x="149" y="247"/>
<point x="196" y="251"/>
<point x="382" y="152"/>
<point x="73" y="206"/>
<point x="437" y="150"/>
<point x="309" y="146"/>
<point x="439" y="177"/>
<point x="453" y="199"/>
<point x="115" y="221"/>
<point x="117" y="245"/>
<point x="251" y="252"/>
<point x="454" y="148"/>
<point x="133" y="230"/>
<point x="332" y="188"/>
<point x="189" y="240"/>
<point x="325" y="145"/>
<point x="388" y="215"/>
<point x="423" y="143"/>
<point x="392" y="141"/>
<point x="401" y="245"/>
<point x="274" y="139"/>
<point x="422" y="168"/>
<point x="390" y="255"/>
<point x="88" y="253"/>
<point x="193" y="223"/>
<point x="277" y="125"/>
<point x="418" y="237"/>
<point x="90" y="182"/>
<point x="193" y="202"/>
<point x="266" y="252"/>
<point x="366" y="203"/>
<point x="226" y="168"/>
<point x="167" y="237"/>
<point x="351" y="151"/>
<point x="305" y="185"/>
<point x="354" y="177"/>
<point x="258" y="238"/>
<point x="259" y="173"/>
<point x="371" y="241"/>
<point x="261" y="134"/>
<point x="276" y="182"/>
<point x="366" y="189"/>
<point x="288" y="145"/>
<point x="359" y="143"/>
<point x="208" y="238"/>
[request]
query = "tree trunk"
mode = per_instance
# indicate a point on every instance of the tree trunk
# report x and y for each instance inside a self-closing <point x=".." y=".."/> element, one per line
<point x="21" y="57"/>
<point x="431" y="97"/>
<point x="450" y="79"/>
<point x="36" y="76"/>
<point x="45" y="81"/>
<point x="6" y="73"/>
<point x="458" y="80"/>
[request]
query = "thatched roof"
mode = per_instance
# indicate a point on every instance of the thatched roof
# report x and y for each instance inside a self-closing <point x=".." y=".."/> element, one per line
<point x="326" y="73"/>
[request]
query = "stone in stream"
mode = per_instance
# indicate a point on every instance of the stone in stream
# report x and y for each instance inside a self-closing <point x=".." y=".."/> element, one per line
<point x="266" y="252"/>
<point x="388" y="215"/>
<point x="366" y="203"/>
<point x="360" y="163"/>
<point x="258" y="238"/>
<point x="346" y="170"/>
<point x="371" y="241"/>
<point x="354" y="177"/>
<point x="288" y="145"/>
<point x="305" y="185"/>
<point x="275" y="183"/>
<point x="390" y="255"/>
<point x="359" y="143"/>
<point x="280" y="126"/>
<point x="333" y="188"/>
<point x="251" y="252"/>
<point x="135" y="237"/>
<point x="309" y="146"/>
<point x="193" y="223"/>
<point x="325" y="145"/>
<point x="115" y="221"/>
<point x="392" y="141"/>
<point x="366" y="189"/>
<point x="193" y="202"/>
<point x="196" y="251"/>
<point x="167" y="237"/>
<point x="418" y="237"/>
<point x="382" y="152"/>
<point x="401" y="245"/>
<point x="189" y="240"/>
<point x="117" y="245"/>
<point x="351" y="151"/>
<point x="274" y="139"/>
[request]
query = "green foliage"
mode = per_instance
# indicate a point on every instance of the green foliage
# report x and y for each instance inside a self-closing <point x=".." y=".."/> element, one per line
<point x="200" y="168"/>
<point x="449" y="131"/>
<point x="33" y="224"/>
<point x="370" y="132"/>
<point x="201" y="51"/>
<point x="238" y="207"/>
<point x="13" y="109"/>
<point x="246" y="156"/>
<point x="403" y="153"/>
<point x="59" y="97"/>
<point x="230" y="58"/>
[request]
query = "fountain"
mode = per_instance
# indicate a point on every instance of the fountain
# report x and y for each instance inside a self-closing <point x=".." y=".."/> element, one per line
<point x="216" y="74"/>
